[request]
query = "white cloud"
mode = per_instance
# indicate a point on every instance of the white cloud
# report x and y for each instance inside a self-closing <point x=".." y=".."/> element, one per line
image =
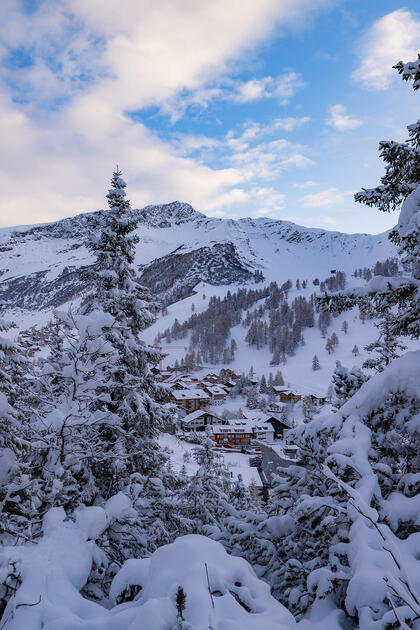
<point x="104" y="59"/>
<point x="392" y="38"/>
<point x="308" y="184"/>
<point x="324" y="198"/>
<point x="283" y="87"/>
<point x="290" y="124"/>
<point x="340" y="120"/>
<point x="267" y="159"/>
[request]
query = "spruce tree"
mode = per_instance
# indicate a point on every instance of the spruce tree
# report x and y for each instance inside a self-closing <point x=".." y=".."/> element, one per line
<point x="315" y="363"/>
<point x="134" y="395"/>
<point x="346" y="383"/>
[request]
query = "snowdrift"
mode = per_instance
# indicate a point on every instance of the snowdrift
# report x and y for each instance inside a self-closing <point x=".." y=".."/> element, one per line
<point x="54" y="570"/>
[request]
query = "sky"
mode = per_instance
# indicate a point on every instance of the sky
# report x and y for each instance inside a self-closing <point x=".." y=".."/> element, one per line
<point x="240" y="108"/>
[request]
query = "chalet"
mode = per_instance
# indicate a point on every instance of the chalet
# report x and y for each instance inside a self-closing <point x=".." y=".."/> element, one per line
<point x="198" y="420"/>
<point x="210" y="378"/>
<point x="285" y="394"/>
<point x="277" y="425"/>
<point x="317" y="400"/>
<point x="226" y="374"/>
<point x="291" y="451"/>
<point x="216" y="392"/>
<point x="189" y="399"/>
<point x="229" y="384"/>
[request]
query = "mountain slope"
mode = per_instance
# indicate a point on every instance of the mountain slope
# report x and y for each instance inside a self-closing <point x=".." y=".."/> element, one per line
<point x="42" y="267"/>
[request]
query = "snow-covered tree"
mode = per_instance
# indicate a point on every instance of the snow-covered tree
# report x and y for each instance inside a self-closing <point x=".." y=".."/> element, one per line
<point x="355" y="351"/>
<point x="202" y="500"/>
<point x="263" y="385"/>
<point x="386" y="346"/>
<point x="134" y="394"/>
<point x="346" y="383"/>
<point x="77" y="454"/>
<point x="252" y="399"/>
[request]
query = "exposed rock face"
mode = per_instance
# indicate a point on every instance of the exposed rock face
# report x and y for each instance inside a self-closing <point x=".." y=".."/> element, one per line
<point x="174" y="276"/>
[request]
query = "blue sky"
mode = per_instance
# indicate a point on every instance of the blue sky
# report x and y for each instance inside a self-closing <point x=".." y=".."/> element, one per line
<point x="269" y="108"/>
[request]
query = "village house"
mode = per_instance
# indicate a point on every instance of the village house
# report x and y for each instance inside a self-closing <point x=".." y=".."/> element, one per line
<point x="278" y="424"/>
<point x="216" y="392"/>
<point x="226" y="374"/>
<point x="285" y="394"/>
<point x="198" y="420"/>
<point x="317" y="400"/>
<point x="240" y="433"/>
<point x="189" y="399"/>
<point x="232" y="436"/>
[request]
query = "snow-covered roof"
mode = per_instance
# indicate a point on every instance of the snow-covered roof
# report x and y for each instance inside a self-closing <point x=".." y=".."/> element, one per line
<point x="189" y="394"/>
<point x="194" y="415"/>
<point x="243" y="427"/>
<point x="198" y="414"/>
<point x="216" y="390"/>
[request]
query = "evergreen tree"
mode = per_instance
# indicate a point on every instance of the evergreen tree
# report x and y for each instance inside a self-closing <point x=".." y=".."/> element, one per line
<point x="345" y="327"/>
<point x="133" y="393"/>
<point x="385" y="346"/>
<point x="329" y="346"/>
<point x="78" y="436"/>
<point x="263" y="385"/>
<point x="355" y="350"/>
<point x="315" y="363"/>
<point x="346" y="383"/>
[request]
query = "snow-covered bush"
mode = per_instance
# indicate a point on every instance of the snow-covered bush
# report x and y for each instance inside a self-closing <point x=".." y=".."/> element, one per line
<point x="221" y="591"/>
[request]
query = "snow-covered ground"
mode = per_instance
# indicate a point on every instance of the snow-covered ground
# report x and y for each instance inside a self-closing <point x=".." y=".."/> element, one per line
<point x="236" y="463"/>
<point x="297" y="372"/>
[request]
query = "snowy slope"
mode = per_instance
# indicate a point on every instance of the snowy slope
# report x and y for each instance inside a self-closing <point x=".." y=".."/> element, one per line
<point x="40" y="266"/>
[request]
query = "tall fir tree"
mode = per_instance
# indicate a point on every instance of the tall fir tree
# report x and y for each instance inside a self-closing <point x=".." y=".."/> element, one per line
<point x="134" y="394"/>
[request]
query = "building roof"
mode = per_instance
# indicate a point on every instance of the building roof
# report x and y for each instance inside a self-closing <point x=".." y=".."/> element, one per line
<point x="198" y="414"/>
<point x="243" y="427"/>
<point x="189" y="394"/>
<point x="216" y="389"/>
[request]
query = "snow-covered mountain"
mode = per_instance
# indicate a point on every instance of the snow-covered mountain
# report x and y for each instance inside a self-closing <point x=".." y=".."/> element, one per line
<point x="41" y="266"/>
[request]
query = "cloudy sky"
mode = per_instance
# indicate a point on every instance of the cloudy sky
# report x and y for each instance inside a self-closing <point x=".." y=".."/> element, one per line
<point x="239" y="107"/>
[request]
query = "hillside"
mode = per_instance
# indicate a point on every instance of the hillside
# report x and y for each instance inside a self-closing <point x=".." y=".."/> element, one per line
<point x="41" y="267"/>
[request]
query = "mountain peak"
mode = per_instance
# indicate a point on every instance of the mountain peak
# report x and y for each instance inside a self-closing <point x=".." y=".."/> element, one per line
<point x="164" y="215"/>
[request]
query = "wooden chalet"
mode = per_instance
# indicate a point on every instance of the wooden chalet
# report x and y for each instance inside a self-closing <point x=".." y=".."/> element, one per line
<point x="198" y="420"/>
<point x="189" y="399"/>
<point x="285" y="394"/>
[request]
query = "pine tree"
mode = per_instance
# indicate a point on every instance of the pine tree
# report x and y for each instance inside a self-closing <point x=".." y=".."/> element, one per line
<point x="78" y="435"/>
<point x="278" y="379"/>
<point x="355" y="350"/>
<point x="252" y="399"/>
<point x="346" y="383"/>
<point x="329" y="346"/>
<point x="17" y="501"/>
<point x="203" y="499"/>
<point x="134" y="395"/>
<point x="385" y="346"/>
<point x="345" y="327"/>
<point x="315" y="363"/>
<point x="263" y="385"/>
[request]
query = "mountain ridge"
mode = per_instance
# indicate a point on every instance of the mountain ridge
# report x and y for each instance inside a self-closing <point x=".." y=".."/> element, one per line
<point x="42" y="266"/>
